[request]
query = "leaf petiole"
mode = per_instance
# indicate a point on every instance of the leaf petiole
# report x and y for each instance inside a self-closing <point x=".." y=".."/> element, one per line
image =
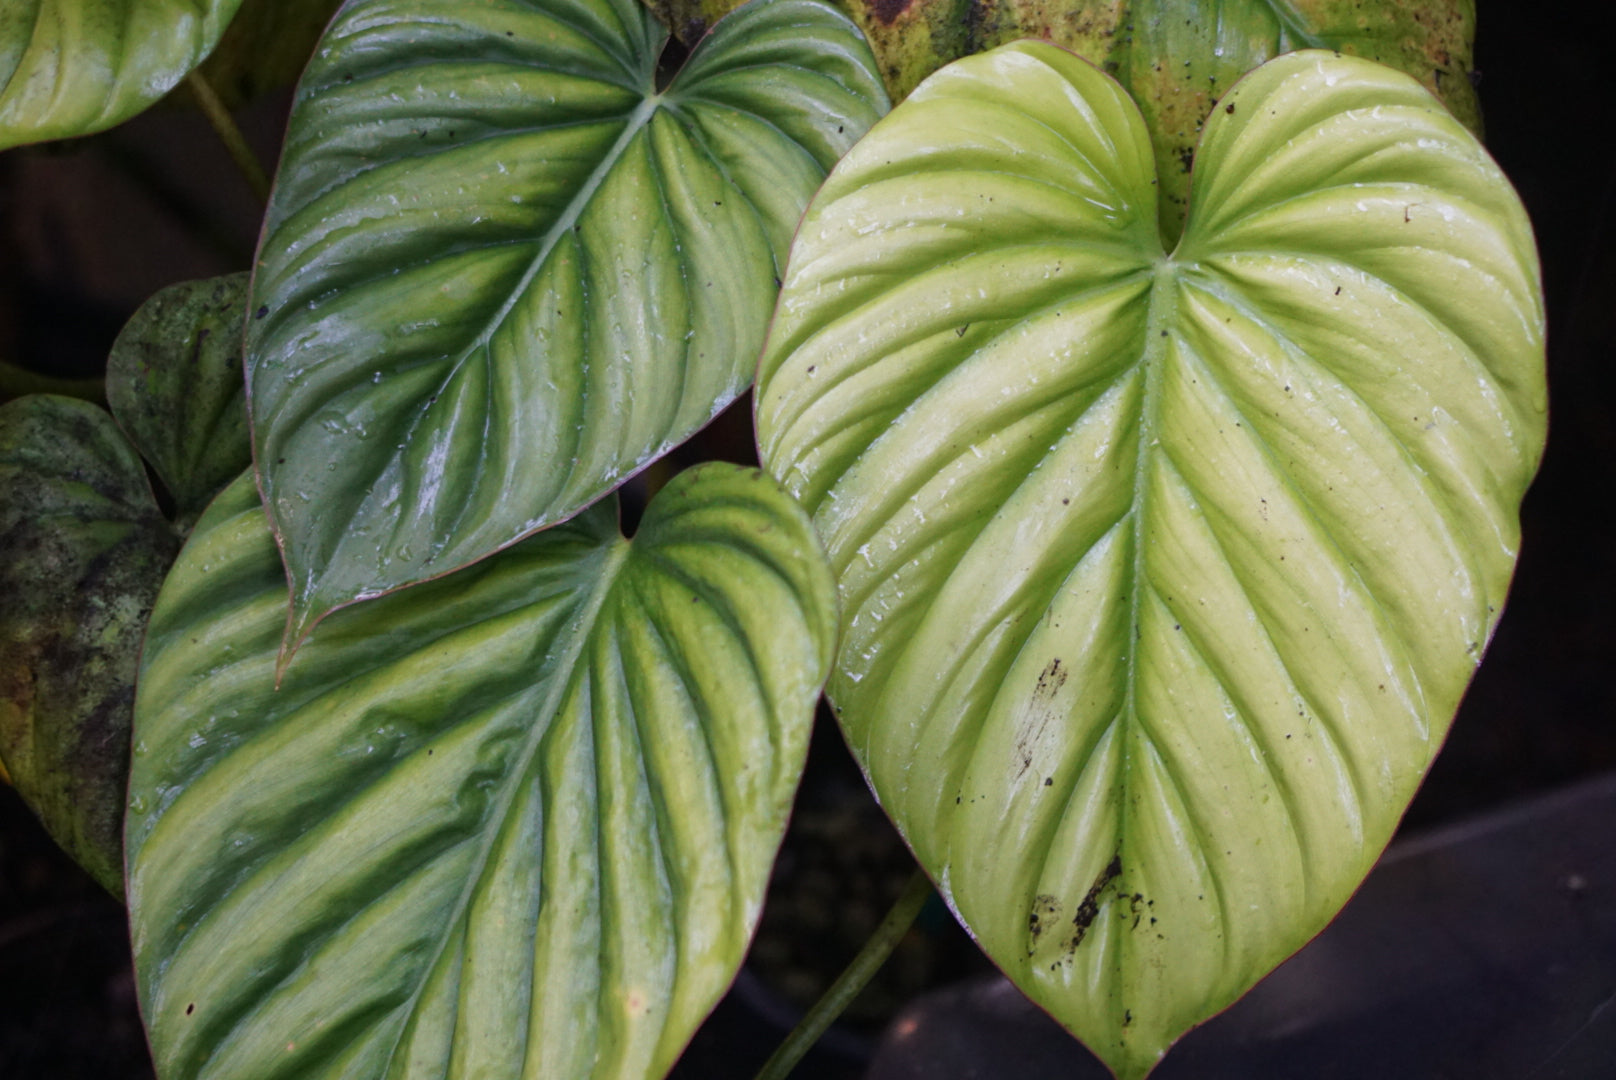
<point x="224" y="125"/>
<point x="853" y="979"/>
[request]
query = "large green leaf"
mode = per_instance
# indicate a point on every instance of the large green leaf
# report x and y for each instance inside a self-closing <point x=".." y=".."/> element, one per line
<point x="515" y="822"/>
<point x="83" y="550"/>
<point x="174" y="383"/>
<point x="70" y="67"/>
<point x="501" y="270"/>
<point x="1161" y="574"/>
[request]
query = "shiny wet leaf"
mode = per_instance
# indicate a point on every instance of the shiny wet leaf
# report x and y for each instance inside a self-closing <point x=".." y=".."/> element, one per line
<point x="515" y="822"/>
<point x="502" y="269"/>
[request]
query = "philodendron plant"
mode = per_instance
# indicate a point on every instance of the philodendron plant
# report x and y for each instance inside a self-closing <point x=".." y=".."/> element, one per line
<point x="1147" y="529"/>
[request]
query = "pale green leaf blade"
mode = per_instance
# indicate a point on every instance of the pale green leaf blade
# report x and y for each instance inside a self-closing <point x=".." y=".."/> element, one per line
<point x="1161" y="574"/>
<point x="174" y="383"/>
<point x="501" y="271"/>
<point x="71" y="67"/>
<point x="514" y="822"/>
<point x="83" y="550"/>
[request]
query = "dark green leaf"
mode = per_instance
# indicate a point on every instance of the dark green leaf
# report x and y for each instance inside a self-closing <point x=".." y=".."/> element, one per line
<point x="70" y="67"/>
<point x="501" y="271"/>
<point x="1162" y="573"/>
<point x="174" y="383"/>
<point x="83" y="550"/>
<point x="516" y="822"/>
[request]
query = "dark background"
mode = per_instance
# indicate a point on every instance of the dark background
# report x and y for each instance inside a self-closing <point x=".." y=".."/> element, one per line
<point x="90" y="229"/>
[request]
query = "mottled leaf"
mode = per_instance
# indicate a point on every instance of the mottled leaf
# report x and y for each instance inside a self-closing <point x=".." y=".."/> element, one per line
<point x="501" y="270"/>
<point x="83" y="550"/>
<point x="516" y="822"/>
<point x="70" y="67"/>
<point x="1161" y="574"/>
<point x="174" y="383"/>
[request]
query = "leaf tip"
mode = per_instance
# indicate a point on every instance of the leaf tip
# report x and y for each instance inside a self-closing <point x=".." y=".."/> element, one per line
<point x="300" y="620"/>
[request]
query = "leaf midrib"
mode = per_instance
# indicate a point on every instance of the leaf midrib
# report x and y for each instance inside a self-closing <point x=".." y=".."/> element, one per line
<point x="581" y="630"/>
<point x="637" y="122"/>
<point x="300" y="623"/>
<point x="1160" y="316"/>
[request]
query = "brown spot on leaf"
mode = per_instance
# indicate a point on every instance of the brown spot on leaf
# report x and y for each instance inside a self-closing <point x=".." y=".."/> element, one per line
<point x="1040" y="711"/>
<point x="886" y="12"/>
<point x="1089" y="909"/>
<point x="1044" y="914"/>
<point x="1052" y="679"/>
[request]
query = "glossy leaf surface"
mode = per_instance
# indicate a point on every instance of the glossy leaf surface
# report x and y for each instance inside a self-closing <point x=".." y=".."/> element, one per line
<point x="174" y="383"/>
<point x="83" y="550"/>
<point x="515" y="822"/>
<point x="501" y="271"/>
<point x="70" y="67"/>
<point x="1161" y="574"/>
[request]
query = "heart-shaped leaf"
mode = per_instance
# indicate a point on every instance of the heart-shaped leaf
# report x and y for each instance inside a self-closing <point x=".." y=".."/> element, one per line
<point x="1161" y="574"/>
<point x="174" y="383"/>
<point x="515" y="822"/>
<point x="502" y="270"/>
<point x="70" y="67"/>
<point x="83" y="550"/>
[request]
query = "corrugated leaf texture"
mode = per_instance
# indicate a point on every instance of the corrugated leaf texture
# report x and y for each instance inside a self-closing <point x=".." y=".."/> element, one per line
<point x="516" y="822"/>
<point x="71" y="67"/>
<point x="502" y="269"/>
<point x="1162" y="573"/>
<point x="174" y="383"/>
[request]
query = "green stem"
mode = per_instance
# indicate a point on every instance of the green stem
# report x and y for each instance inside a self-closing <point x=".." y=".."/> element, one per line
<point x="16" y="382"/>
<point x="847" y="985"/>
<point x="224" y="125"/>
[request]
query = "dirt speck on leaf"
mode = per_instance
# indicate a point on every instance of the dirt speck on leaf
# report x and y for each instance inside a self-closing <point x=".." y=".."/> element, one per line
<point x="1089" y="909"/>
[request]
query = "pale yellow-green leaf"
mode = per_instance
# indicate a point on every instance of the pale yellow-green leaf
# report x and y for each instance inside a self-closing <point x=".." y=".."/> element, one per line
<point x="1162" y="571"/>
